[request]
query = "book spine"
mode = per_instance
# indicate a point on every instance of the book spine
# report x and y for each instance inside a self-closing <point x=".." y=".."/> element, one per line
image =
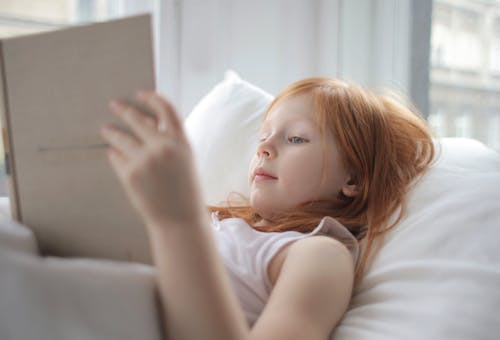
<point x="7" y="142"/>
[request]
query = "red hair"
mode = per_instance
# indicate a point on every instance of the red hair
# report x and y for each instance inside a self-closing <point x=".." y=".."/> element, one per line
<point x="383" y="142"/>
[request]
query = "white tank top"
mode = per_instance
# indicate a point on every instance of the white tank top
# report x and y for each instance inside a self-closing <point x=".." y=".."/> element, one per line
<point x="247" y="253"/>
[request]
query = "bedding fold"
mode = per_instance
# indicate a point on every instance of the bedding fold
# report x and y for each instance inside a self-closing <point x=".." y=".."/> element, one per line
<point x="55" y="298"/>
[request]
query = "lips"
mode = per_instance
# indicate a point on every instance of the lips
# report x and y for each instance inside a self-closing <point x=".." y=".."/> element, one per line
<point x="261" y="173"/>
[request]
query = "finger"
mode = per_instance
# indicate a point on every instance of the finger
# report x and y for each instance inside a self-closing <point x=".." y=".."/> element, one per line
<point x="140" y="123"/>
<point x="126" y="144"/>
<point x="117" y="160"/>
<point x="167" y="115"/>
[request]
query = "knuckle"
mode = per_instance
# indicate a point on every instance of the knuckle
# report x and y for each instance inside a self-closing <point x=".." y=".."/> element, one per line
<point x="141" y="118"/>
<point x="132" y="114"/>
<point x="151" y="102"/>
<point x="160" y="103"/>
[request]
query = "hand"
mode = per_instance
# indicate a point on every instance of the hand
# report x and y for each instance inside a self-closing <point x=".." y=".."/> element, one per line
<point x="154" y="162"/>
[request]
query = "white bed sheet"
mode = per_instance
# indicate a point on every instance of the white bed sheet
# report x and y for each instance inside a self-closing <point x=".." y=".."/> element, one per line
<point x="54" y="299"/>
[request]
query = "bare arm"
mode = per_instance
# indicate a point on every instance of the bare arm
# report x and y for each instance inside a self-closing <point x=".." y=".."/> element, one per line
<point x="311" y="293"/>
<point x="197" y="298"/>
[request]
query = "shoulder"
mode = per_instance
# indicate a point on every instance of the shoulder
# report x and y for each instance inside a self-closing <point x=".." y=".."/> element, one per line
<point x="321" y="257"/>
<point x="319" y="250"/>
<point x="321" y="245"/>
<point x="313" y="288"/>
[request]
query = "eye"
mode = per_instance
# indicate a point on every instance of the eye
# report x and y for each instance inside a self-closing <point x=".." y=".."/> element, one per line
<point x="296" y="140"/>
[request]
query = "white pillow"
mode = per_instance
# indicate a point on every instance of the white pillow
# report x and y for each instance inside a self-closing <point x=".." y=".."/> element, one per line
<point x="223" y="130"/>
<point x="438" y="273"/>
<point x="55" y="299"/>
<point x="59" y="298"/>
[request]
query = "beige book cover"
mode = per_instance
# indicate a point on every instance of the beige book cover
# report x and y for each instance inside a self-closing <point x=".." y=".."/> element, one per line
<point x="54" y="93"/>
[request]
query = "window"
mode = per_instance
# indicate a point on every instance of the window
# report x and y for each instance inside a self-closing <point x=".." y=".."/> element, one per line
<point x="18" y="17"/>
<point x="465" y="70"/>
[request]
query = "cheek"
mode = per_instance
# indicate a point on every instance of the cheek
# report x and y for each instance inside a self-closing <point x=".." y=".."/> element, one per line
<point x="308" y="166"/>
<point x="335" y="174"/>
<point x="303" y="177"/>
<point x="251" y="166"/>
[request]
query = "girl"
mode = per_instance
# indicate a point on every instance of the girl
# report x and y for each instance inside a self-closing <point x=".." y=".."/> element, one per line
<point x="333" y="164"/>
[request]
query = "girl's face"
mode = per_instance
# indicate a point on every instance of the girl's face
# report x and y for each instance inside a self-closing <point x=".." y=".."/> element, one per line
<point x="290" y="153"/>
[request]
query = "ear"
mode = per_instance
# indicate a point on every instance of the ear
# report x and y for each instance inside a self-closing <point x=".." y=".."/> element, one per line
<point x="350" y="188"/>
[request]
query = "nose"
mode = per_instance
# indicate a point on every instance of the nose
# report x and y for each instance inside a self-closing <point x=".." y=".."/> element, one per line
<point x="266" y="150"/>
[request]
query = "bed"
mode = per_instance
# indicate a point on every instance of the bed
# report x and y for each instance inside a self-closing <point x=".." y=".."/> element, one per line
<point x="437" y="275"/>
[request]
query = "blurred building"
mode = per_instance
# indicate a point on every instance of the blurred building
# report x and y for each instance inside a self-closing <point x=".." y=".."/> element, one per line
<point x="465" y="70"/>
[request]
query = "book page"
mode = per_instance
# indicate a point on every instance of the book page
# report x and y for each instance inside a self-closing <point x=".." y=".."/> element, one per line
<point x="59" y="85"/>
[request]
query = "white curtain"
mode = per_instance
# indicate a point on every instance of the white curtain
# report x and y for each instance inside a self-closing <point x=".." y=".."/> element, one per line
<point x="272" y="43"/>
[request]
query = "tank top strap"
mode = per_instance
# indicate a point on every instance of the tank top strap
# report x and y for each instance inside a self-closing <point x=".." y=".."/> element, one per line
<point x="330" y="226"/>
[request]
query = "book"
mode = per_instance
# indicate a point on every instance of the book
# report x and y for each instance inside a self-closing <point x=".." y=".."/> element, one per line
<point x="55" y="88"/>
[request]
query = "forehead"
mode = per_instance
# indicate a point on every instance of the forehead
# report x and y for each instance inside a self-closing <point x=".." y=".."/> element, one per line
<point x="293" y="109"/>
